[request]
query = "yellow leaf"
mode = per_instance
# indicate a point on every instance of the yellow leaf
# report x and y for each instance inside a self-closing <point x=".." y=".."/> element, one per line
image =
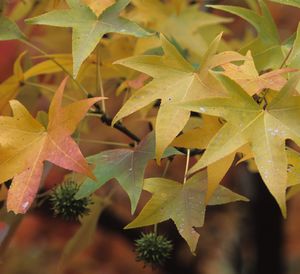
<point x="49" y="67"/>
<point x="10" y="87"/>
<point x="199" y="137"/>
<point x="183" y="203"/>
<point x="175" y="80"/>
<point x="265" y="129"/>
<point x="217" y="170"/>
<point x="98" y="6"/>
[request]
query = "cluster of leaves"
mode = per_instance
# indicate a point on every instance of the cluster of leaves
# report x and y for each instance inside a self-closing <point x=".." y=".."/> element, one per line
<point x="170" y="60"/>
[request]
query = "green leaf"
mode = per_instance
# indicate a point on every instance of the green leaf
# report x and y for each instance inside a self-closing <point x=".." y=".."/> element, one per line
<point x="266" y="48"/>
<point x="87" y="28"/>
<point x="264" y="23"/>
<point x="126" y="165"/>
<point x="183" y="203"/>
<point x="294" y="3"/>
<point x="85" y="234"/>
<point x="9" y="30"/>
<point x="265" y="129"/>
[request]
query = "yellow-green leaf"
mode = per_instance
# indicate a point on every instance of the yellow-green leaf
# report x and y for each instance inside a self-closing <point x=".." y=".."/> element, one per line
<point x="87" y="28"/>
<point x="265" y="129"/>
<point x="183" y="203"/>
<point x="175" y="80"/>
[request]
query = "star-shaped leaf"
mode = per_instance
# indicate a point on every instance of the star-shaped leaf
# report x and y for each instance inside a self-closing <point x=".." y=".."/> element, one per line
<point x="25" y="144"/>
<point x="249" y="79"/>
<point x="183" y="203"/>
<point x="87" y="28"/>
<point x="126" y="165"/>
<point x="248" y="122"/>
<point x="175" y="80"/>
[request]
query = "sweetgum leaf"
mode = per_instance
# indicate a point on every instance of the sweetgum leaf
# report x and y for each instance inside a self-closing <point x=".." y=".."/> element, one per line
<point x="26" y="144"/>
<point x="126" y="165"/>
<point x="87" y="28"/>
<point x="9" y="30"/>
<point x="249" y="79"/>
<point x="265" y="129"/>
<point x="183" y="203"/>
<point x="175" y="80"/>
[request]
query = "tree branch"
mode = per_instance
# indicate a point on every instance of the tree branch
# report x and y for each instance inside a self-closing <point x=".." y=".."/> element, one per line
<point x="119" y="126"/>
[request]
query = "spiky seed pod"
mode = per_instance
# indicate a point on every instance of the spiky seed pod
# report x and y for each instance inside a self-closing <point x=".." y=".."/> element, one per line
<point x="153" y="249"/>
<point x="64" y="203"/>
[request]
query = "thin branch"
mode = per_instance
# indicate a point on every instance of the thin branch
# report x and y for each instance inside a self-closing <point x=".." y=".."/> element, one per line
<point x="186" y="166"/>
<point x="99" y="81"/>
<point x="166" y="168"/>
<point x="119" y="126"/>
<point x="286" y="57"/>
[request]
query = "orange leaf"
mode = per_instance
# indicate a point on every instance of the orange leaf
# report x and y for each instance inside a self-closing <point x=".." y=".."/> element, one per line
<point x="248" y="78"/>
<point x="26" y="144"/>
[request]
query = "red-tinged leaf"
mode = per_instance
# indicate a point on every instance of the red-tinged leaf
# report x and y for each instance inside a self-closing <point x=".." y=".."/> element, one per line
<point x="26" y="144"/>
